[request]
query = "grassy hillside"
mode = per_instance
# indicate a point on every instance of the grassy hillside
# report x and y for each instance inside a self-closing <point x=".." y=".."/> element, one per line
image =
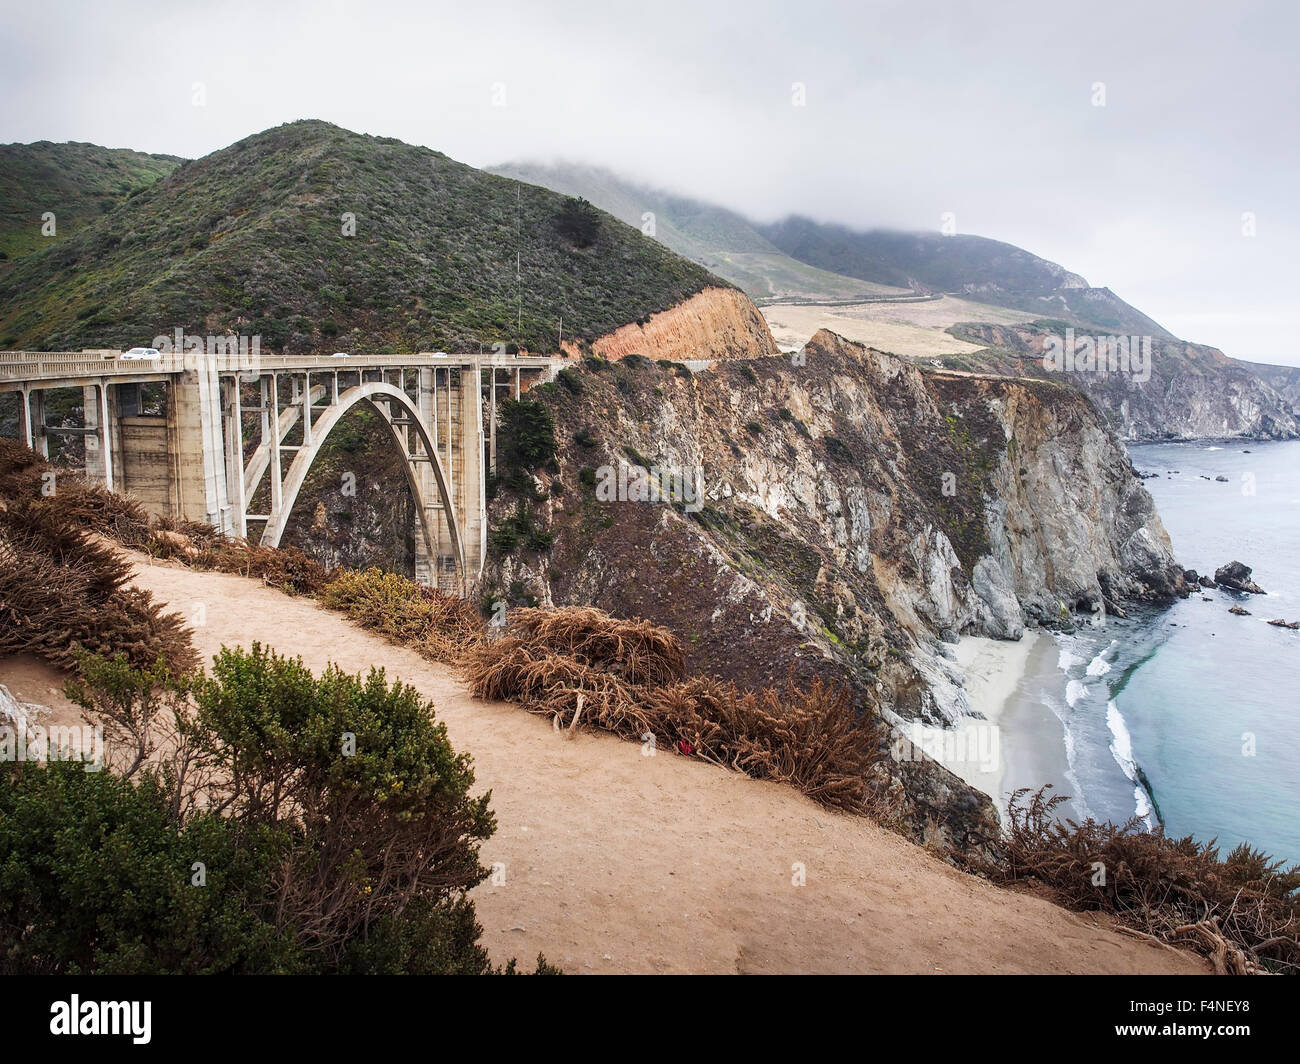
<point x="974" y="267"/>
<point x="715" y="237"/>
<point x="76" y="182"/>
<point x="251" y="239"/>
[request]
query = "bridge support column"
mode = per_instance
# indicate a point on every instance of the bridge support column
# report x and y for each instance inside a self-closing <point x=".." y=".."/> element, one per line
<point x="428" y="556"/>
<point x="196" y="447"/>
<point x="99" y="414"/>
<point x="233" y="438"/>
<point x="33" y="418"/>
<point x="471" y="503"/>
<point x="492" y="423"/>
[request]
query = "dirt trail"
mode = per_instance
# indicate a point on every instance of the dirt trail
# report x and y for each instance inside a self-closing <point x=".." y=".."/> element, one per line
<point x="617" y="862"/>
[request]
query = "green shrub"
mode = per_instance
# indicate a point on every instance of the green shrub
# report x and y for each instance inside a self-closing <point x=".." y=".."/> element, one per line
<point x="95" y="878"/>
<point x="837" y="449"/>
<point x="525" y="436"/>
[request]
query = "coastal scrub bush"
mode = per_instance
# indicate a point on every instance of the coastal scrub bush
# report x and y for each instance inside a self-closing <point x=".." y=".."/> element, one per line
<point x="525" y="441"/>
<point x="95" y="879"/>
<point x="62" y="589"/>
<point x="581" y="666"/>
<point x="331" y="820"/>
<point x="440" y="626"/>
<point x="1241" y="911"/>
<point x="374" y="799"/>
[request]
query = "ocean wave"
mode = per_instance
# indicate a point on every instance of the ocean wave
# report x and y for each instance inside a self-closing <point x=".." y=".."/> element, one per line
<point x="1072" y="777"/>
<point x="1099" y="666"/>
<point x="1065" y="661"/>
<point x="1074" y="691"/>
<point x="1121" y="749"/>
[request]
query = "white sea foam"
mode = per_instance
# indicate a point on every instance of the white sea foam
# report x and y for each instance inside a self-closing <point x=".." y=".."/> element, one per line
<point x="1098" y="666"/>
<point x="1072" y="777"/>
<point x="1065" y="661"/>
<point x="1121" y="749"/>
<point x="1074" y="691"/>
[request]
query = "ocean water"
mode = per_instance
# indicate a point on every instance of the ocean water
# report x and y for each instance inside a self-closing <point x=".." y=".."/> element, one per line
<point x="1188" y="716"/>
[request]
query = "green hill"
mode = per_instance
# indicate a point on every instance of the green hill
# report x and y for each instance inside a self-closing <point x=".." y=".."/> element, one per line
<point x="77" y="183"/>
<point x="715" y="237"/>
<point x="250" y="239"/>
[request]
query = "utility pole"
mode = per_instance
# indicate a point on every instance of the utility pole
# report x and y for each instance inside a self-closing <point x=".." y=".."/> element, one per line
<point x="519" y="243"/>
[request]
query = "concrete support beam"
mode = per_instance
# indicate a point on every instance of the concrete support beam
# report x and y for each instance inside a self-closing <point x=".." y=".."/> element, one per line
<point x="471" y="503"/>
<point x="34" y="421"/>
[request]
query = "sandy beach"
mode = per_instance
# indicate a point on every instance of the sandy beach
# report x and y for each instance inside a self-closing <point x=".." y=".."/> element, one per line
<point x="976" y="748"/>
<point x="1012" y="739"/>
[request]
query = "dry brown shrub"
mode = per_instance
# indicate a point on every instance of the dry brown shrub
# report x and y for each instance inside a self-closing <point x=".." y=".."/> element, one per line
<point x="637" y="651"/>
<point x="812" y="739"/>
<point x="73" y="501"/>
<point x="61" y="588"/>
<point x="285" y="568"/>
<point x="1241" y="911"/>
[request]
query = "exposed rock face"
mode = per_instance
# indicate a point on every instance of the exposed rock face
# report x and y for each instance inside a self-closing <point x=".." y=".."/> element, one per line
<point x="1236" y="576"/>
<point x="1285" y="380"/>
<point x="715" y="323"/>
<point x="855" y="513"/>
<point x="1193" y="391"/>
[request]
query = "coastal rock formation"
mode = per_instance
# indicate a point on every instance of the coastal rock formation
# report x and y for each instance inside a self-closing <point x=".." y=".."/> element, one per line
<point x="1191" y="391"/>
<point x="1236" y="576"/>
<point x="712" y="324"/>
<point x="838" y="515"/>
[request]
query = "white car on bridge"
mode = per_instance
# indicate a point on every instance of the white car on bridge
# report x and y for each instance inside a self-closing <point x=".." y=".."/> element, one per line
<point x="137" y="354"/>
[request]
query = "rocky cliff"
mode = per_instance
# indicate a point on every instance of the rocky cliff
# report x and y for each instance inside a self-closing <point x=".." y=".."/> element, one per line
<point x="1284" y="379"/>
<point x="848" y="516"/>
<point x="712" y="324"/>
<point x="1191" y="391"/>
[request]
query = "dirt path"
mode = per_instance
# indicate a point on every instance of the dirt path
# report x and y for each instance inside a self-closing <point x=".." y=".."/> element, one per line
<point x="617" y="862"/>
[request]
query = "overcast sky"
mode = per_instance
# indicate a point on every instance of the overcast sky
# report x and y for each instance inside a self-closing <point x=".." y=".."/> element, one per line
<point x="987" y="110"/>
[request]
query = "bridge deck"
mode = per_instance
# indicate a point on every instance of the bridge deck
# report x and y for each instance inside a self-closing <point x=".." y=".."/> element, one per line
<point x="68" y="369"/>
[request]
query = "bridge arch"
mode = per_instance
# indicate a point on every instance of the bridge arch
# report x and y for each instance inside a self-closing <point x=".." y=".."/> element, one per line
<point x="375" y="393"/>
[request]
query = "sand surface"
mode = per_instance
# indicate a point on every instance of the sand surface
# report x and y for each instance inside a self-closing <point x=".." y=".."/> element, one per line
<point x="976" y="749"/>
<point x="617" y="862"/>
<point x="913" y="330"/>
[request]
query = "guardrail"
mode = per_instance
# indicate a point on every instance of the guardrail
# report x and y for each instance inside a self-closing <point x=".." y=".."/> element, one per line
<point x="23" y="366"/>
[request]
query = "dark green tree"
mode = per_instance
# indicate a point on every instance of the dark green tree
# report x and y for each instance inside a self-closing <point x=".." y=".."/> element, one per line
<point x="578" y="222"/>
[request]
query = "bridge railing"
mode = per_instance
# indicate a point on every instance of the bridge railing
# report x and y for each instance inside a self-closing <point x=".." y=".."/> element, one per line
<point x="24" y="366"/>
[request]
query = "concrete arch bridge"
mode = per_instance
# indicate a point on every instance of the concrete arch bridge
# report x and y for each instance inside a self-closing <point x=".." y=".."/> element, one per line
<point x="228" y="424"/>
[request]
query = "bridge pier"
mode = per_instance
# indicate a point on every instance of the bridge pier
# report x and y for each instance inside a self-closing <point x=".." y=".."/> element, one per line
<point x="33" y="421"/>
<point x="97" y="411"/>
<point x="196" y="448"/>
